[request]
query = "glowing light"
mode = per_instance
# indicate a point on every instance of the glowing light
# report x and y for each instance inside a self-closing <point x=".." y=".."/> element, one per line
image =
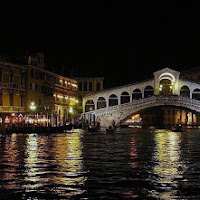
<point x="32" y="106"/>
<point x="167" y="75"/>
<point x="60" y="96"/>
<point x="70" y="110"/>
<point x="76" y="101"/>
<point x="74" y="85"/>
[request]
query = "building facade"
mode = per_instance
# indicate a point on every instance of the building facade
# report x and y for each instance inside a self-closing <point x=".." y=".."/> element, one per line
<point x="31" y="95"/>
<point x="12" y="89"/>
<point x="65" y="99"/>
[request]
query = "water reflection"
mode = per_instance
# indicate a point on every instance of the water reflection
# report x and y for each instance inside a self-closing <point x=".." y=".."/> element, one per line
<point x="46" y="164"/>
<point x="69" y="176"/>
<point x="9" y="162"/>
<point x="168" y="164"/>
<point x="31" y="161"/>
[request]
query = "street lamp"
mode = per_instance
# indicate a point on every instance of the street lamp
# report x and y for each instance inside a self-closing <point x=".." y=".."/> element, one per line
<point x="33" y="106"/>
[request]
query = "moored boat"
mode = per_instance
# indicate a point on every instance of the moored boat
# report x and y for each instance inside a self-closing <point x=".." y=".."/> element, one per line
<point x="177" y="128"/>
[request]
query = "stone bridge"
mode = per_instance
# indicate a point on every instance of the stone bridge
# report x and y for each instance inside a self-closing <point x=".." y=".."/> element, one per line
<point x="120" y="113"/>
<point x="166" y="88"/>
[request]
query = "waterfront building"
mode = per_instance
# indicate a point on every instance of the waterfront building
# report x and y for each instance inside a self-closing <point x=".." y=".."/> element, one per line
<point x="12" y="91"/>
<point x="35" y="96"/>
<point x="65" y="100"/>
<point x="54" y="95"/>
<point x="87" y="85"/>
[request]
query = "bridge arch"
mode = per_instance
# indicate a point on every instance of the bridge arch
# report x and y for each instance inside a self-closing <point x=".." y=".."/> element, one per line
<point x="89" y="105"/>
<point x="148" y="91"/>
<point x="137" y="94"/>
<point x="196" y="94"/>
<point x="113" y="100"/>
<point x="125" y="97"/>
<point x="185" y="91"/>
<point x="101" y="102"/>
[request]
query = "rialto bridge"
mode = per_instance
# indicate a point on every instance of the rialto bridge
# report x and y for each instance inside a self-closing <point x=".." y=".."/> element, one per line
<point x="165" y="88"/>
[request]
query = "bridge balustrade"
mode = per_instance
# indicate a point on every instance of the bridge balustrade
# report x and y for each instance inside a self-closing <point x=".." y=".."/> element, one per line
<point x="155" y="100"/>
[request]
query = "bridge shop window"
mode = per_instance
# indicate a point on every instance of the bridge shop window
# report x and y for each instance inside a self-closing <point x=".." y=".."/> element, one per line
<point x="89" y="105"/>
<point x="125" y="97"/>
<point x="185" y="91"/>
<point x="148" y="91"/>
<point x="101" y="103"/>
<point x="196" y="94"/>
<point x="137" y="94"/>
<point x="113" y="100"/>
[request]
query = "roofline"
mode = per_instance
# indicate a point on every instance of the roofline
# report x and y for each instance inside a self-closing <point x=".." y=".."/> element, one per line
<point x="122" y="86"/>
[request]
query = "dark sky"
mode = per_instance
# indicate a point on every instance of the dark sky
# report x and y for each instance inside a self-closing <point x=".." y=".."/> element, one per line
<point x="123" y="42"/>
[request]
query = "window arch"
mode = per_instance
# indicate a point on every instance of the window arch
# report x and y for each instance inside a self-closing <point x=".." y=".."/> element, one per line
<point x="148" y="91"/>
<point x="185" y="91"/>
<point x="137" y="94"/>
<point x="113" y="100"/>
<point x="125" y="97"/>
<point x="101" y="103"/>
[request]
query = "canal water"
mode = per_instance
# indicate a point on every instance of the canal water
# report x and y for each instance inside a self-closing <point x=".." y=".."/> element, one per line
<point x="130" y="164"/>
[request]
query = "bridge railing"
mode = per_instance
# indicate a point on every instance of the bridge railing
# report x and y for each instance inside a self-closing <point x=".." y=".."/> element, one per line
<point x="156" y="99"/>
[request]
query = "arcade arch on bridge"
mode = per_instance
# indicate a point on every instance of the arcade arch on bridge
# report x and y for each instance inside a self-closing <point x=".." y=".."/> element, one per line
<point x="89" y="105"/>
<point x="196" y="94"/>
<point x="185" y="91"/>
<point x="101" y="102"/>
<point x="148" y="91"/>
<point x="137" y="94"/>
<point x="125" y="97"/>
<point x="113" y="100"/>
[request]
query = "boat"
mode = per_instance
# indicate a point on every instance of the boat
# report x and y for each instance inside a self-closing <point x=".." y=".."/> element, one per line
<point x="110" y="129"/>
<point x="92" y="129"/>
<point x="177" y="128"/>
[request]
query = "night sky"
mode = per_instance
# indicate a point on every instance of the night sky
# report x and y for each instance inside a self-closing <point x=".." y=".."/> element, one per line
<point x="123" y="43"/>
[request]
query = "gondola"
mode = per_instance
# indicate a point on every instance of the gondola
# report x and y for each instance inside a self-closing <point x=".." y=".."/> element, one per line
<point x="111" y="129"/>
<point x="177" y="128"/>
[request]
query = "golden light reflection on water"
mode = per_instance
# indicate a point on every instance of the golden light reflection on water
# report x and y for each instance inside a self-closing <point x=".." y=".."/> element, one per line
<point x="167" y="159"/>
<point x="68" y="155"/>
<point x="54" y="161"/>
<point x="9" y="159"/>
<point x="31" y="161"/>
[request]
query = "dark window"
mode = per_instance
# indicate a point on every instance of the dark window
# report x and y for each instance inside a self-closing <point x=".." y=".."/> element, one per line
<point x="22" y="100"/>
<point x="31" y="73"/>
<point x="11" y="99"/>
<point x="85" y="86"/>
<point x="98" y="86"/>
<point x="90" y="86"/>
<point x="11" y="76"/>
<point x="1" y="98"/>
<point x="80" y="85"/>
<point x="1" y="74"/>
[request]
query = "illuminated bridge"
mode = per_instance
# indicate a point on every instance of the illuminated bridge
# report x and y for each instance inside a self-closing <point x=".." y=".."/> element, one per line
<point x="164" y="89"/>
